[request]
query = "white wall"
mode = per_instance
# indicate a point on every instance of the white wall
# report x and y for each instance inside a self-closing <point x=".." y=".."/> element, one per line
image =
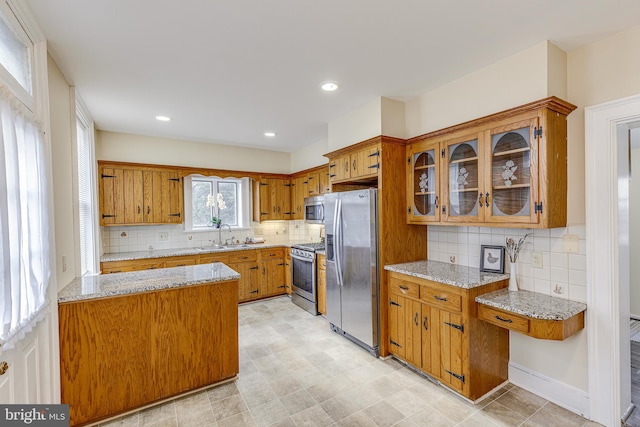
<point x="62" y="117"/>
<point x="358" y="125"/>
<point x="634" y="233"/>
<point x="310" y="156"/>
<point x="514" y="81"/>
<point x="147" y="149"/>
<point x="393" y="118"/>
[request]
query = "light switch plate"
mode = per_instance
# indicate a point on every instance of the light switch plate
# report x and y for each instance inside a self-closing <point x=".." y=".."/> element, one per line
<point x="163" y="236"/>
<point x="570" y="243"/>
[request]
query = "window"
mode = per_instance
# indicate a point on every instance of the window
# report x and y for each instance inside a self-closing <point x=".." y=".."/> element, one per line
<point x="213" y="199"/>
<point x="86" y="203"/>
<point x="25" y="272"/>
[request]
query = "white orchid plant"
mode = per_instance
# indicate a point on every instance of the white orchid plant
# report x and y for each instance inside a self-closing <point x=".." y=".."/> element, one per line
<point x="513" y="248"/>
<point x="218" y="204"/>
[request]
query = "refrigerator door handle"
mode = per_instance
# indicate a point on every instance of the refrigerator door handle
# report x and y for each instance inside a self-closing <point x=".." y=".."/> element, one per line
<point x="337" y="233"/>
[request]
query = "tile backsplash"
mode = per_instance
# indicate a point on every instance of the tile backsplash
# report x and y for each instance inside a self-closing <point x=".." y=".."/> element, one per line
<point x="144" y="237"/>
<point x="562" y="274"/>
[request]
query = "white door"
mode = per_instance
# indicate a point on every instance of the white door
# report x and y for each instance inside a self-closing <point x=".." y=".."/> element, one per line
<point x="33" y="374"/>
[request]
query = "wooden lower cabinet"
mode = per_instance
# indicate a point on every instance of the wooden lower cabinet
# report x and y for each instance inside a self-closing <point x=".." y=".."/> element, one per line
<point x="288" y="280"/>
<point x="121" y="353"/>
<point x="272" y="281"/>
<point x="263" y="272"/>
<point x="435" y="328"/>
<point x="321" y="281"/>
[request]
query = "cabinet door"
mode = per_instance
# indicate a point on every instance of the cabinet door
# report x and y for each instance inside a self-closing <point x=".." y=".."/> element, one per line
<point x="325" y="182"/>
<point x="287" y="273"/>
<point x="396" y="316"/>
<point x="462" y="178"/>
<point x="340" y="168"/>
<point x="171" y="201"/>
<point x="426" y="323"/>
<point x="405" y="329"/>
<point x="450" y="339"/>
<point x="313" y="184"/>
<point x="322" y="284"/>
<point x="423" y="179"/>
<point x="297" y="197"/>
<point x="511" y="190"/>
<point x="112" y="197"/>
<point x="284" y="199"/>
<point x="371" y="160"/>
<point x="265" y="209"/>
<point x="133" y="192"/>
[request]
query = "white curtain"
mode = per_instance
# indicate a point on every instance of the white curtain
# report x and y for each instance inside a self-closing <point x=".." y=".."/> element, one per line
<point x="24" y="230"/>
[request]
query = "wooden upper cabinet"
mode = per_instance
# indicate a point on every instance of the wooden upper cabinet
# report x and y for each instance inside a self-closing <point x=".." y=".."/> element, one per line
<point x="298" y="193"/>
<point x="508" y="169"/>
<point x="325" y="181"/>
<point x="423" y="182"/>
<point x="131" y="195"/>
<point x="272" y="199"/>
<point x="313" y="184"/>
<point x="357" y="164"/>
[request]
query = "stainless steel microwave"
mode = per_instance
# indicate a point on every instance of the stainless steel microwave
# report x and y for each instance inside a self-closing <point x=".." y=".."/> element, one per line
<point x="314" y="210"/>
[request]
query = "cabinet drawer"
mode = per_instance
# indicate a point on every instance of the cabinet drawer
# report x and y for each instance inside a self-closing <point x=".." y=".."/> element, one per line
<point x="180" y="262"/>
<point x="243" y="256"/>
<point x="207" y="258"/>
<point x="404" y="288"/>
<point x="126" y="266"/>
<point x="272" y="253"/>
<point x="441" y="298"/>
<point x="504" y="319"/>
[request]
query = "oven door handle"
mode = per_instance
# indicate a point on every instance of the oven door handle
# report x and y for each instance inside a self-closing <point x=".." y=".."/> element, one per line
<point x="299" y="258"/>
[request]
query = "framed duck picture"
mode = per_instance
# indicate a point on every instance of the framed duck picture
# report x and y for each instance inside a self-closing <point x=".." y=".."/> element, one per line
<point x="492" y="259"/>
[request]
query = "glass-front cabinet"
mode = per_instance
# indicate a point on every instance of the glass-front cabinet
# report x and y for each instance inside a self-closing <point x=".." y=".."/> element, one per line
<point x="423" y="183"/>
<point x="463" y="179"/>
<point x="508" y="169"/>
<point x="512" y="193"/>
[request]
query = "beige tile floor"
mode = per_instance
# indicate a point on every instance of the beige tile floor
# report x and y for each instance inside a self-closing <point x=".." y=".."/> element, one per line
<point x="295" y="372"/>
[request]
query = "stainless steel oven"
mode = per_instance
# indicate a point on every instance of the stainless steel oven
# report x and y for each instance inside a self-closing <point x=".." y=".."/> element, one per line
<point x="303" y="276"/>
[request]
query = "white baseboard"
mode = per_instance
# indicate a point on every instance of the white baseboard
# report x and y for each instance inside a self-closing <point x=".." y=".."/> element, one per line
<point x="565" y="395"/>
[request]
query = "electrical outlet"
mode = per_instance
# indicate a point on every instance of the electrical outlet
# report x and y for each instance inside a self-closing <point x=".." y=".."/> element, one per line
<point x="536" y="259"/>
<point x="163" y="236"/>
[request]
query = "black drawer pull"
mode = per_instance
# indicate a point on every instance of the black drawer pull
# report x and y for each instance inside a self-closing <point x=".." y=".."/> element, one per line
<point x="443" y="299"/>
<point x="404" y="289"/>
<point x="504" y="320"/>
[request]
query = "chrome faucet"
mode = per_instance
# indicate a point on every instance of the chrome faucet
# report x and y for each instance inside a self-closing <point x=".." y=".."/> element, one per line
<point x="220" y="233"/>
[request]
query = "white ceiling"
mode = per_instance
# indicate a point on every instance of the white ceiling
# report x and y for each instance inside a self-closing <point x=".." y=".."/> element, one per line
<point x="227" y="71"/>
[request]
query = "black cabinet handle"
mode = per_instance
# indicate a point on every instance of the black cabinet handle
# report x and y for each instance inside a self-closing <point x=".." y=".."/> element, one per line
<point x="444" y="299"/>
<point x="504" y="320"/>
<point x="415" y="319"/>
<point x="424" y="323"/>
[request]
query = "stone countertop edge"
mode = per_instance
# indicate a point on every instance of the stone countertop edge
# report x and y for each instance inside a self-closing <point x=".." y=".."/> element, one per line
<point x="460" y="276"/>
<point x="165" y="253"/>
<point x="109" y="285"/>
<point x="532" y="304"/>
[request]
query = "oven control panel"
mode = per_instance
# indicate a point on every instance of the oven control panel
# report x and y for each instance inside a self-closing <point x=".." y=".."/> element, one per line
<point x="302" y="253"/>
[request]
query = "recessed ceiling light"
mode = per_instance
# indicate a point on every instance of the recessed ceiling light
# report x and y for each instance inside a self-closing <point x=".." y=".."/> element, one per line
<point x="163" y="118"/>
<point x="270" y="134"/>
<point x="329" y="86"/>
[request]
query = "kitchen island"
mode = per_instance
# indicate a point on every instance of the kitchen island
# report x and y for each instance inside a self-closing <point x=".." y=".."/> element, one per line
<point x="128" y="340"/>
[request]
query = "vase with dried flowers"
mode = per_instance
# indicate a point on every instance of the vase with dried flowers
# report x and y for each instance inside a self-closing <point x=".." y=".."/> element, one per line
<point x="217" y="204"/>
<point x="513" y="249"/>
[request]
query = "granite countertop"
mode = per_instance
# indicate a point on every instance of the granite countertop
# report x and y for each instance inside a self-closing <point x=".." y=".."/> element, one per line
<point x="532" y="304"/>
<point x="449" y="274"/>
<point x="163" y="253"/>
<point x="105" y="285"/>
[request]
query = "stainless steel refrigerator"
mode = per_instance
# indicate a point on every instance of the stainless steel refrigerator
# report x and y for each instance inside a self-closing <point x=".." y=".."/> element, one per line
<point x="351" y="227"/>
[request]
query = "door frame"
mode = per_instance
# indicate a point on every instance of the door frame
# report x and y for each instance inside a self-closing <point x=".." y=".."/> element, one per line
<point x="604" y="296"/>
